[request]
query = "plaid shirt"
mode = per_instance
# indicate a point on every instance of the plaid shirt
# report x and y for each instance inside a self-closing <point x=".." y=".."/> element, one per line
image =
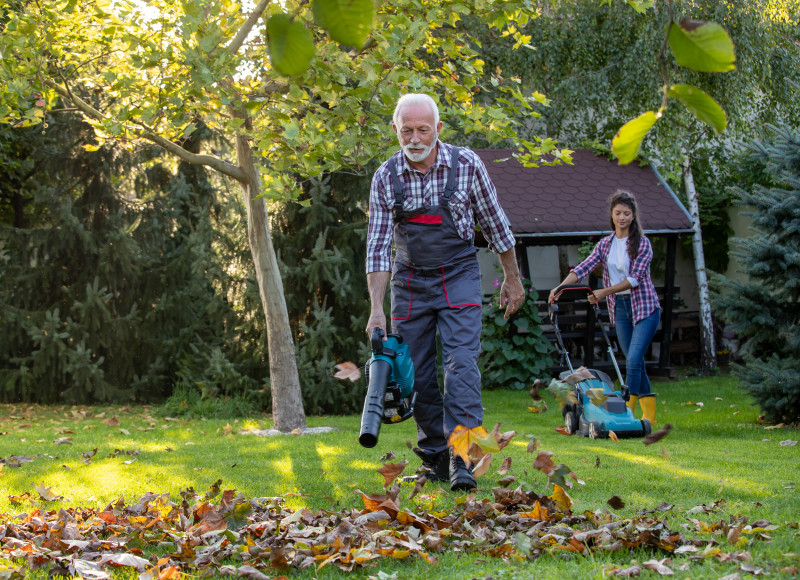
<point x="644" y="299"/>
<point x="475" y="196"/>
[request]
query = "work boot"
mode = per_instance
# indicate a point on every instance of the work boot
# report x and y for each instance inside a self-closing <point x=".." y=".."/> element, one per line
<point x="648" y="405"/>
<point x="631" y="402"/>
<point x="435" y="464"/>
<point x="461" y="477"/>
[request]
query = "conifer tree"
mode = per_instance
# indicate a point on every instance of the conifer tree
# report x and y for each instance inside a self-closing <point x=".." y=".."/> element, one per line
<point x="764" y="310"/>
<point x="321" y="243"/>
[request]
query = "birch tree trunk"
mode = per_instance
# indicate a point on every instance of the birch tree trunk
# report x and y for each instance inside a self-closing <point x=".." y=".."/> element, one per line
<point x="287" y="399"/>
<point x="708" y="354"/>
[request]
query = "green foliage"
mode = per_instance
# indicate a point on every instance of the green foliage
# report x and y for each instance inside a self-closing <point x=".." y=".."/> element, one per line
<point x="764" y="309"/>
<point x="515" y="352"/>
<point x="112" y="289"/>
<point x="321" y="242"/>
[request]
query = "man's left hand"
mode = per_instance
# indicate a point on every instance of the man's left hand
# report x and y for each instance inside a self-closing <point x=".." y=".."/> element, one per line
<point x="512" y="294"/>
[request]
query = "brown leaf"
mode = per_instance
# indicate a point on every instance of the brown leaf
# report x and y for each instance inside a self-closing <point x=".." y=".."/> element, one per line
<point x="63" y="441"/>
<point x="613" y="436"/>
<point x="503" y="439"/>
<point x="580" y="374"/>
<point x="533" y="444"/>
<point x="418" y="487"/>
<point x="536" y="387"/>
<point x="213" y="491"/>
<point x="658" y="566"/>
<point x="46" y="493"/>
<point x="544" y="462"/>
<point x="563" y="430"/>
<point x="616" y="502"/>
<point x="112" y="422"/>
<point x="629" y="572"/>
<point x="390" y="471"/>
<point x="483" y="465"/>
<point x="347" y="370"/>
<point x="658" y="435"/>
<point x="505" y="466"/>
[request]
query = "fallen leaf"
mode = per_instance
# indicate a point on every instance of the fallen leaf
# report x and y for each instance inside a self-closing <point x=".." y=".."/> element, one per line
<point x="46" y="493"/>
<point x="658" y="566"/>
<point x="63" y="441"/>
<point x="563" y="430"/>
<point x="347" y="370"/>
<point x="657" y="436"/>
<point x="536" y="387"/>
<point x="629" y="572"/>
<point x="112" y="422"/>
<point x="788" y="443"/>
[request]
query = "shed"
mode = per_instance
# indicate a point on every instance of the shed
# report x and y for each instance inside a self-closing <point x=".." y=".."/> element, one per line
<point x="566" y="204"/>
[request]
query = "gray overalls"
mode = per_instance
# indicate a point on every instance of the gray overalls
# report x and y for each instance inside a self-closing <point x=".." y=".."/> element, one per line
<point x="436" y="284"/>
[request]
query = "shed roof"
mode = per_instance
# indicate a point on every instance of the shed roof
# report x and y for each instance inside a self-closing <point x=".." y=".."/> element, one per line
<point x="570" y="200"/>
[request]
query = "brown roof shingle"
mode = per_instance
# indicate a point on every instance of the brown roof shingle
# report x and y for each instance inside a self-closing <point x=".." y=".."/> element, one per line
<point x="571" y="200"/>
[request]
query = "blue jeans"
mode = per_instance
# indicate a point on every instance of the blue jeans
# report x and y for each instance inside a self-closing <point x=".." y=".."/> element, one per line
<point x="635" y="341"/>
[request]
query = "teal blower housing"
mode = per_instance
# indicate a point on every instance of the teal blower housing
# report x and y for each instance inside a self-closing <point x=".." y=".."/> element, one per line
<point x="390" y="386"/>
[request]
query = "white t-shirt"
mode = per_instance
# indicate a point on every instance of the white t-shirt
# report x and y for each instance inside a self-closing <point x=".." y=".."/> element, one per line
<point x="619" y="263"/>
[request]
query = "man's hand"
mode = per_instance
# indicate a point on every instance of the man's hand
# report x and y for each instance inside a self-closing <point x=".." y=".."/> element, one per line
<point x="512" y="295"/>
<point x="377" y="320"/>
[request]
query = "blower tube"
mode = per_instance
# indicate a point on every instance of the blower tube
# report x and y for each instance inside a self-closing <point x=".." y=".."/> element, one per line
<point x="380" y="373"/>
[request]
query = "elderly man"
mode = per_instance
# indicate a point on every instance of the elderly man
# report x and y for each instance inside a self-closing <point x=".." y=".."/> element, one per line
<point x="425" y="199"/>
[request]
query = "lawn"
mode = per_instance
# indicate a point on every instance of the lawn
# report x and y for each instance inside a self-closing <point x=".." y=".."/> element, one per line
<point x="717" y="465"/>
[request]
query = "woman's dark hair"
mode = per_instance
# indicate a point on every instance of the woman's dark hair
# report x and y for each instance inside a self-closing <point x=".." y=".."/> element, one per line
<point x="621" y="197"/>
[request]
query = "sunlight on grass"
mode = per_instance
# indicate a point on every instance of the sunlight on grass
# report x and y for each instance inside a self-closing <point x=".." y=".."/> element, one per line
<point x="742" y="485"/>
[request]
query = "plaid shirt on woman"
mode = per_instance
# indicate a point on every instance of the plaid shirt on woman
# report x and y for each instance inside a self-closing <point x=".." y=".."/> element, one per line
<point x="475" y="197"/>
<point x="644" y="299"/>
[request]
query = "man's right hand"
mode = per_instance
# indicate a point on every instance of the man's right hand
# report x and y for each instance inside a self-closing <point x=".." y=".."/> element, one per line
<point x="377" y="320"/>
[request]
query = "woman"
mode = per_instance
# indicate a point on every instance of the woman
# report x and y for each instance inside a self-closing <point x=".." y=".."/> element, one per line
<point x="632" y="300"/>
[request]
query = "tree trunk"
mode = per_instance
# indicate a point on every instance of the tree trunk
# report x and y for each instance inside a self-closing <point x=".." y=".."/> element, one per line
<point x="708" y="355"/>
<point x="287" y="398"/>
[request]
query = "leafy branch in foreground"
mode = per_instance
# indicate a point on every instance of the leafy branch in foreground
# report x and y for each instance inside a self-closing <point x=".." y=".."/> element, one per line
<point x="697" y="45"/>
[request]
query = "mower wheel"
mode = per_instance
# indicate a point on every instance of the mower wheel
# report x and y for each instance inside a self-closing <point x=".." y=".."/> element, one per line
<point x="571" y="422"/>
<point x="646" y="427"/>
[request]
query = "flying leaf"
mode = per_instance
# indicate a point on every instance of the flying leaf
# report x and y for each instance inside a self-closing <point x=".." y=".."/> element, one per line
<point x="538" y="406"/>
<point x="483" y="465"/>
<point x="291" y="46"/>
<point x="616" y="502"/>
<point x="613" y="436"/>
<point x="704" y="48"/>
<point x="580" y="374"/>
<point x="564" y="393"/>
<point x="505" y="466"/>
<point x="597" y="397"/>
<point x="461" y="438"/>
<point x="544" y="462"/>
<point x="536" y="387"/>
<point x="390" y="471"/>
<point x="348" y="370"/>
<point x="658" y="435"/>
<point x="628" y="141"/>
<point x="701" y="105"/>
<point x="559" y="476"/>
<point x="533" y="444"/>
<point x="418" y="487"/>
<point x="502" y="439"/>
<point x="348" y="22"/>
<point x="563" y="430"/>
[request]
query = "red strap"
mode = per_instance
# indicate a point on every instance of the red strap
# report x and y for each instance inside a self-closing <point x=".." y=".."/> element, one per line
<point x="426" y="219"/>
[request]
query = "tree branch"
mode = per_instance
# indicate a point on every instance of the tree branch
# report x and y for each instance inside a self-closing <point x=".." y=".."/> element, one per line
<point x="247" y="27"/>
<point x="214" y="163"/>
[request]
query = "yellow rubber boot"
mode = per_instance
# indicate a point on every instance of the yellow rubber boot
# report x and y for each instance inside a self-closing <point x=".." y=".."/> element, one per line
<point x="648" y="405"/>
<point x="632" y="402"/>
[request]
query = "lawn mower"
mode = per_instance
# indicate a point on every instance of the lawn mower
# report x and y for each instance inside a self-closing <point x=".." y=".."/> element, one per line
<point x="596" y="409"/>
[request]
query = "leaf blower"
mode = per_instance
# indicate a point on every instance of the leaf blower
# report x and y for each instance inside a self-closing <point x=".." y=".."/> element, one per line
<point x="390" y="386"/>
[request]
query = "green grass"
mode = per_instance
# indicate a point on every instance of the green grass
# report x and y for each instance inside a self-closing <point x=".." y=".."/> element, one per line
<point x="717" y="452"/>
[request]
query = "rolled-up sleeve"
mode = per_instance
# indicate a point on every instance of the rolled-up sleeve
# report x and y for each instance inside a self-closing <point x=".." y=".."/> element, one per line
<point x="488" y="212"/>
<point x="379" y="233"/>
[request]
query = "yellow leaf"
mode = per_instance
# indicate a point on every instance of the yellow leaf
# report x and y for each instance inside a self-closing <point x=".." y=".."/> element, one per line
<point x="561" y="498"/>
<point x="462" y="438"/>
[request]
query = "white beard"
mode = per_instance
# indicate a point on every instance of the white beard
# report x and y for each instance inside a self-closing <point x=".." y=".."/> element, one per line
<point x="417" y="154"/>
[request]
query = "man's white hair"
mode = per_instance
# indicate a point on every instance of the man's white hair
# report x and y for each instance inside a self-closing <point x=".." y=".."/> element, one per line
<point x="415" y="99"/>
